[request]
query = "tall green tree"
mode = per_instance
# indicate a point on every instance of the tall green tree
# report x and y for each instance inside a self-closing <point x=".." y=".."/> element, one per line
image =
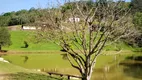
<point x="137" y="20"/>
<point x="4" y="37"/>
<point x="4" y="20"/>
<point x="136" y="5"/>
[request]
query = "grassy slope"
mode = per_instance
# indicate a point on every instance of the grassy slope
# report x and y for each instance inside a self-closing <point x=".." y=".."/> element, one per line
<point x="19" y="73"/>
<point x="18" y="38"/>
<point x="10" y="68"/>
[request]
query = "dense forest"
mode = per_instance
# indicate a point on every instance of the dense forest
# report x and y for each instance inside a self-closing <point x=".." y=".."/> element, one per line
<point x="20" y="17"/>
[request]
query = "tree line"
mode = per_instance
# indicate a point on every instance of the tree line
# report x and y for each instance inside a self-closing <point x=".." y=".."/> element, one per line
<point x="20" y="17"/>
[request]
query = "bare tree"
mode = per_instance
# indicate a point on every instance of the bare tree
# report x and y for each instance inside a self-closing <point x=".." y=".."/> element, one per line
<point x="100" y="24"/>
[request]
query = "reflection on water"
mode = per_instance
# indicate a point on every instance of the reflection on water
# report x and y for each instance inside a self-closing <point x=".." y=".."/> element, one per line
<point x="129" y="69"/>
<point x="132" y="66"/>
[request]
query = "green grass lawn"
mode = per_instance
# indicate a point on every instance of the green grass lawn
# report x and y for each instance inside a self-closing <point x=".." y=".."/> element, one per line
<point x="10" y="68"/>
<point x="18" y="73"/>
<point x="18" y="38"/>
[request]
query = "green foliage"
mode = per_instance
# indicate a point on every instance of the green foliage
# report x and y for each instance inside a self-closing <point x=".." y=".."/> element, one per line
<point x="19" y="17"/>
<point x="136" y="5"/>
<point x="137" y="20"/>
<point x="4" y="37"/>
<point x="66" y="7"/>
<point x="14" y="21"/>
<point x="4" y="20"/>
<point x="101" y="1"/>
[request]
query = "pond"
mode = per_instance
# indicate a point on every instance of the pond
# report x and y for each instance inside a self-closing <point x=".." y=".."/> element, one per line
<point x="128" y="69"/>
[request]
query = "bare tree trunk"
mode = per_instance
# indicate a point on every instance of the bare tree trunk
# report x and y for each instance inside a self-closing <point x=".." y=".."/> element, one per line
<point x="88" y="71"/>
<point x="89" y="77"/>
<point x="86" y="76"/>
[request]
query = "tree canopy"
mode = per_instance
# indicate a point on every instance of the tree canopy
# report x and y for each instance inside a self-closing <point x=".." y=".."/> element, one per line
<point x="136" y="5"/>
<point x="4" y="37"/>
<point x="19" y="17"/>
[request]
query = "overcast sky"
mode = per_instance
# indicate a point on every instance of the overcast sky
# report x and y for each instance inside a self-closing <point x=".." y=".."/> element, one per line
<point x="15" y="5"/>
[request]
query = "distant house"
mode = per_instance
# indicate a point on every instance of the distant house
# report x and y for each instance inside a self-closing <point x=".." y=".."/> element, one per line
<point x="30" y="28"/>
<point x="74" y="19"/>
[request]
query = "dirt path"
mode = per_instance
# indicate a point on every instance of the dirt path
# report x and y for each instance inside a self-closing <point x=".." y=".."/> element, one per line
<point x="3" y="76"/>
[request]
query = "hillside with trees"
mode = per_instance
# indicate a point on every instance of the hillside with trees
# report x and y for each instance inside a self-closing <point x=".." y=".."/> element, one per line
<point x="85" y="35"/>
<point x="20" y="17"/>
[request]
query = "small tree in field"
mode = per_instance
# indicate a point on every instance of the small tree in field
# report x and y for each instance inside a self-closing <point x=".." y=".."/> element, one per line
<point x="101" y="23"/>
<point x="4" y="37"/>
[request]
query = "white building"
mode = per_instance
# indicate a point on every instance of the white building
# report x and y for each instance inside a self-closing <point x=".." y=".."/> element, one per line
<point x="30" y="28"/>
<point x="74" y="19"/>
